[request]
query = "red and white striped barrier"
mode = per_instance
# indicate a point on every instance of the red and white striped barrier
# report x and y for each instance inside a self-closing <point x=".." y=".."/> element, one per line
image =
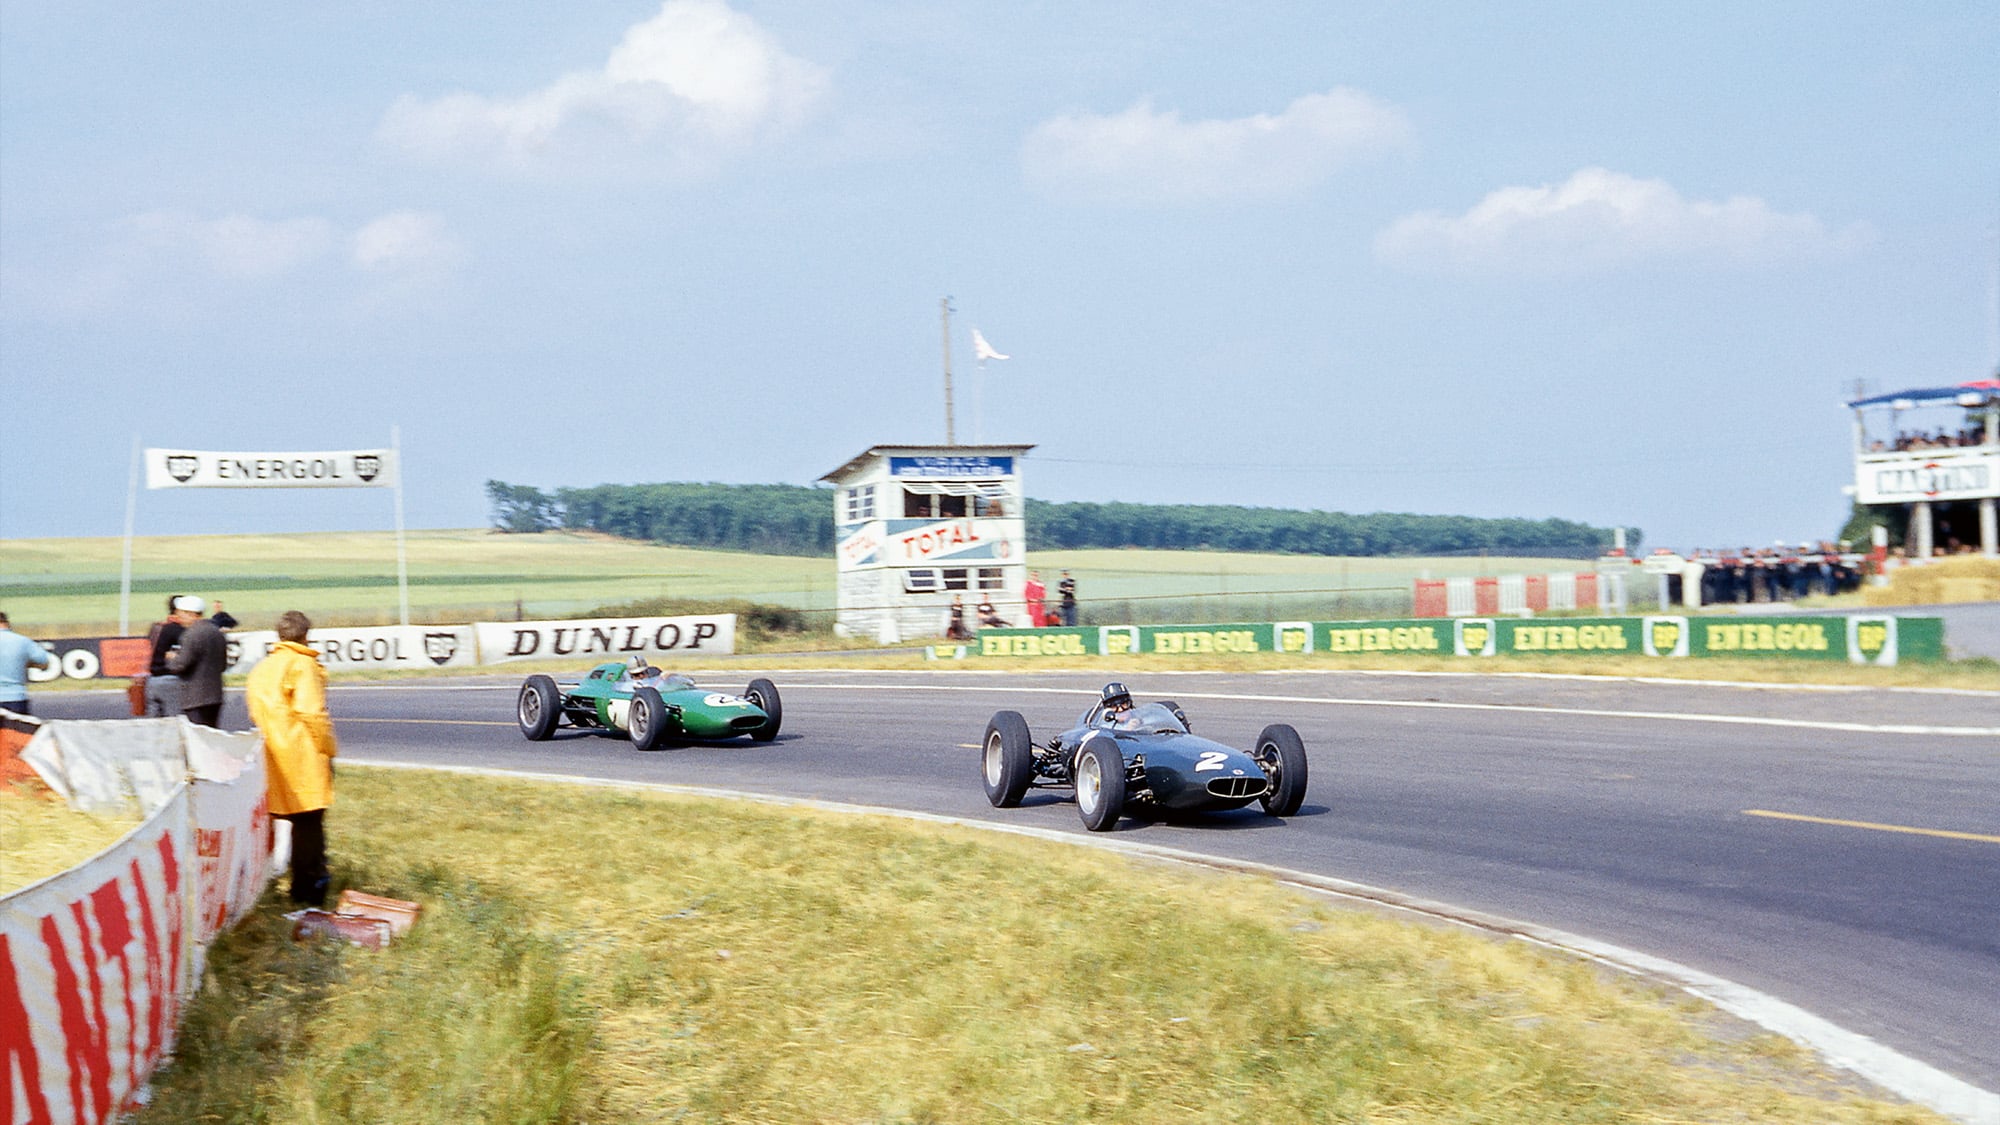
<point x="1509" y="594"/>
<point x="96" y="963"/>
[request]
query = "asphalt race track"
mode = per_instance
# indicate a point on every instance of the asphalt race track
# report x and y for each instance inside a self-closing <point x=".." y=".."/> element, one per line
<point x="1630" y="812"/>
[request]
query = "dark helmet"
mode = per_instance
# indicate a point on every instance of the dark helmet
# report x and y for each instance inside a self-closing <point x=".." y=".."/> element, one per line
<point x="1115" y="695"/>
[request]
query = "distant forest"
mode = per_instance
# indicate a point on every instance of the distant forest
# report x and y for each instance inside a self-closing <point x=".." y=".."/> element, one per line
<point x="788" y="519"/>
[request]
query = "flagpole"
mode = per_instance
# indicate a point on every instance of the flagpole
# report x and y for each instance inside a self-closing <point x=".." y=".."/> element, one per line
<point x="944" y="312"/>
<point x="402" y="556"/>
<point x="125" y="573"/>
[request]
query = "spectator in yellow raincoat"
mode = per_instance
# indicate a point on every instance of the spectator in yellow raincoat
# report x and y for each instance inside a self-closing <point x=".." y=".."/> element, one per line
<point x="286" y="693"/>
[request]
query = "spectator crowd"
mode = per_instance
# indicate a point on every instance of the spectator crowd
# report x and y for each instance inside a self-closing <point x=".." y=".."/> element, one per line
<point x="1777" y="574"/>
<point x="1973" y="434"/>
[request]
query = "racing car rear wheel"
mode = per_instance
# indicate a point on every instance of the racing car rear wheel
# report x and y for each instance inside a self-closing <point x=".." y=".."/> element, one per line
<point x="1100" y="784"/>
<point x="1283" y="755"/>
<point x="647" y="720"/>
<point x="764" y="694"/>
<point x="1009" y="759"/>
<point x="539" y="708"/>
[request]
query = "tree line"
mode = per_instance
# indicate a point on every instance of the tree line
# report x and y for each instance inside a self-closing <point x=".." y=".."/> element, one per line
<point x="797" y="520"/>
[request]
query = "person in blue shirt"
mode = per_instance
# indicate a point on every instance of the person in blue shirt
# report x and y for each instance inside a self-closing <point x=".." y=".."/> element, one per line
<point x="17" y="655"/>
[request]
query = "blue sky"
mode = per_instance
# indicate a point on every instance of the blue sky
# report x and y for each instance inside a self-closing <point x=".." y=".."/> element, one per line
<point x="1611" y="263"/>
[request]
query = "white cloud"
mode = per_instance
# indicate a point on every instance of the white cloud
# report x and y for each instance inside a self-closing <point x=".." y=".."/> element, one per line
<point x="403" y="242"/>
<point x="234" y="246"/>
<point x="172" y="263"/>
<point x="1599" y="219"/>
<point x="695" y="80"/>
<point x="1147" y="154"/>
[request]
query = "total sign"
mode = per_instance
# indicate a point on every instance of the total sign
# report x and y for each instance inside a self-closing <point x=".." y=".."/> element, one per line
<point x="930" y="542"/>
<point x="862" y="547"/>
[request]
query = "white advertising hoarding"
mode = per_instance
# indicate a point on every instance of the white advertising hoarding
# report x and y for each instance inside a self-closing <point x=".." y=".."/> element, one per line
<point x="194" y="468"/>
<point x="606" y="638"/>
<point x="371" y="648"/>
<point x="1936" y="475"/>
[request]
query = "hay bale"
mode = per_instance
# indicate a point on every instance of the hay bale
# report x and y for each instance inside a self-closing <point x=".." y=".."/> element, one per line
<point x="1959" y="578"/>
<point x="40" y="836"/>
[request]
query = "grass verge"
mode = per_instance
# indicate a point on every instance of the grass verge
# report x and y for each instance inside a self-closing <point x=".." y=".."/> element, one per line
<point x="591" y="956"/>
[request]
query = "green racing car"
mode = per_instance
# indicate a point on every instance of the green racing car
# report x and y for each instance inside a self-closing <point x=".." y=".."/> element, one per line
<point x="647" y="704"/>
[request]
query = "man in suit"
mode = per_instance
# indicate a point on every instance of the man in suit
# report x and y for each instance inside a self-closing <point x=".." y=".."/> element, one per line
<point x="203" y="654"/>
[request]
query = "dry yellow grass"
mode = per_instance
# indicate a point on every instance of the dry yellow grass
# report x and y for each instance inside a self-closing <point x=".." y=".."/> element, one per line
<point x="650" y="957"/>
<point x="40" y="836"/>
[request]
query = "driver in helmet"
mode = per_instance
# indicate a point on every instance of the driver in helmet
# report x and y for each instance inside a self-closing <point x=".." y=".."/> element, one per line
<point x="1115" y="706"/>
<point x="643" y="674"/>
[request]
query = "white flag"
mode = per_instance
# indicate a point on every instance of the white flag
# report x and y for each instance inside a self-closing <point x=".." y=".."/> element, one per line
<point x="982" y="349"/>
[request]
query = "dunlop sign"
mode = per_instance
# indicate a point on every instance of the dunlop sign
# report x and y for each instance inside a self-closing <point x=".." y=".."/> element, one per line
<point x="193" y="468"/>
<point x="605" y="638"/>
<point x="419" y="647"/>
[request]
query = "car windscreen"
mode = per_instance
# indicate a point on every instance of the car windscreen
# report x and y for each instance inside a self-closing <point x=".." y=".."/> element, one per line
<point x="1150" y="718"/>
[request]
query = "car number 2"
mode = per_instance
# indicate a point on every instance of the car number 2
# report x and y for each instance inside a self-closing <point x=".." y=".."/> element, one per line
<point x="1211" y="760"/>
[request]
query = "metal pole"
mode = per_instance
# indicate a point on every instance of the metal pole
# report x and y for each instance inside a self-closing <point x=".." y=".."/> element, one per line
<point x="944" y="313"/>
<point x="402" y="556"/>
<point x="125" y="576"/>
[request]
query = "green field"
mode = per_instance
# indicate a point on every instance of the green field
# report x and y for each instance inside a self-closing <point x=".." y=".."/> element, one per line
<point x="70" y="587"/>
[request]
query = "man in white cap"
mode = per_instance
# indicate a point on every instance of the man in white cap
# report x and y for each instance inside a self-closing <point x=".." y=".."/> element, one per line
<point x="203" y="654"/>
<point x="163" y="688"/>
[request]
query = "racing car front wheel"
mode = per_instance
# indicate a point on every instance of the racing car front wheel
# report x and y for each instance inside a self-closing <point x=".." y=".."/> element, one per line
<point x="764" y="694"/>
<point x="1009" y="759"/>
<point x="647" y="720"/>
<point x="1283" y="755"/>
<point x="1100" y="784"/>
<point x="539" y="708"/>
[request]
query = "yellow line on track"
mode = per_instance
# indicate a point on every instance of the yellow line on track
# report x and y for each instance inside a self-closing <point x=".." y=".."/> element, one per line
<point x="1872" y="826"/>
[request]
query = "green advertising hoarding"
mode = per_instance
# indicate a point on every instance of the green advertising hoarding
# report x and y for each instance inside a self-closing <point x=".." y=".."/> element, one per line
<point x="1429" y="637"/>
<point x="1038" y="642"/>
<point x="1206" y="640"/>
<point x="1857" y="638"/>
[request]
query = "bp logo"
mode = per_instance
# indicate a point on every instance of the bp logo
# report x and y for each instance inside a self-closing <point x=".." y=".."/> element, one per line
<point x="440" y="647"/>
<point x="367" y="466"/>
<point x="1294" y="636"/>
<point x="183" y="467"/>
<point x="1474" y="636"/>
<point x="1665" y="636"/>
<point x="1871" y="640"/>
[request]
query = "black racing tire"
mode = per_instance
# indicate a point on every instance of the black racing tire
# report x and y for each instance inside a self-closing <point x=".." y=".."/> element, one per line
<point x="539" y="708"/>
<point x="647" y="721"/>
<point x="1178" y="713"/>
<point x="1100" y="783"/>
<point x="764" y="694"/>
<point x="1282" y="754"/>
<point x="1007" y="762"/>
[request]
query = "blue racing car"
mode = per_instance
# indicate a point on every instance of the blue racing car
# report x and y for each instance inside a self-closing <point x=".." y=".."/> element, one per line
<point x="1121" y="756"/>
